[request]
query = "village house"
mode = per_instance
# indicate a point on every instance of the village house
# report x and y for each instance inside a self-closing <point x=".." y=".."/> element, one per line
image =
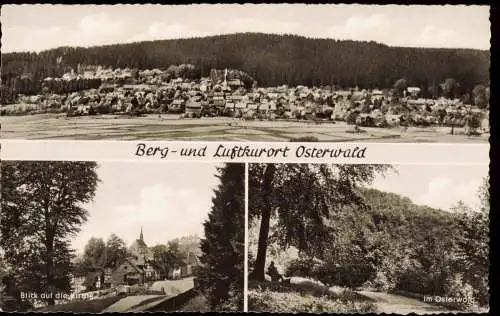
<point x="77" y="282"/>
<point x="193" y="107"/>
<point x="235" y="84"/>
<point x="138" y="267"/>
<point x="413" y="91"/>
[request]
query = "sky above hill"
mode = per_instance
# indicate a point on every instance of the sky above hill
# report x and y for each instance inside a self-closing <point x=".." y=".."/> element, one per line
<point x="40" y="27"/>
<point x="437" y="186"/>
<point x="170" y="200"/>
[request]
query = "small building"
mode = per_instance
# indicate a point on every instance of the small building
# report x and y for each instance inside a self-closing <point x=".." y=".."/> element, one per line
<point x="413" y="91"/>
<point x="128" y="272"/>
<point x="177" y="105"/>
<point x="138" y="267"/>
<point x="235" y="83"/>
<point x="95" y="280"/>
<point x="174" y="273"/>
<point x="193" y="108"/>
<point x="77" y="283"/>
<point x="240" y="105"/>
<point x="219" y="101"/>
<point x="252" y="106"/>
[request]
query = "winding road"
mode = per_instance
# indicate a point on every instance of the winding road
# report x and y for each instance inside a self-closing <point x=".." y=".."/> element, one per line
<point x="172" y="289"/>
<point x="397" y="304"/>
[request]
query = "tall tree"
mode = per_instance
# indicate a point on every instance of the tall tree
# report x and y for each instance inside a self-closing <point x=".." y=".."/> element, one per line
<point x="450" y="88"/>
<point x="302" y="197"/>
<point x="42" y="208"/>
<point x="474" y="244"/>
<point x="175" y="254"/>
<point x="400" y="87"/>
<point x="481" y="96"/>
<point x="116" y="251"/>
<point x="161" y="258"/>
<point x="94" y="254"/>
<point x="220" y="276"/>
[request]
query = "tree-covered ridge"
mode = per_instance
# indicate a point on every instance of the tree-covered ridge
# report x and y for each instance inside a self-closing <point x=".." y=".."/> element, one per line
<point x="272" y="60"/>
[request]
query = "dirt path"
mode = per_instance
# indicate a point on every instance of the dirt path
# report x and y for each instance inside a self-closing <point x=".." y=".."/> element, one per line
<point x="173" y="287"/>
<point x="397" y="304"/>
<point x="128" y="302"/>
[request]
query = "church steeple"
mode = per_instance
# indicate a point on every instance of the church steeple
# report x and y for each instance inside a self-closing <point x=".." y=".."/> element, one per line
<point x="141" y="237"/>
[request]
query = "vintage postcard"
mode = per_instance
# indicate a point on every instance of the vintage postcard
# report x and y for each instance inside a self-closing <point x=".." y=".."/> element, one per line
<point x="244" y="158"/>
<point x="121" y="236"/>
<point x="393" y="239"/>
<point x="269" y="72"/>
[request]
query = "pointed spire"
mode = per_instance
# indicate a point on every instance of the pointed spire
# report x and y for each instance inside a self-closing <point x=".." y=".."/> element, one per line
<point x="141" y="237"/>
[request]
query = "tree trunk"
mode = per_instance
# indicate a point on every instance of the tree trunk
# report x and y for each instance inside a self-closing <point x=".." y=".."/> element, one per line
<point x="50" y="270"/>
<point x="258" y="272"/>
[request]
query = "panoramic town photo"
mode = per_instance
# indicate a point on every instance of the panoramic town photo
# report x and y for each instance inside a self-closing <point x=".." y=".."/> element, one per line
<point x="269" y="72"/>
<point x="394" y="239"/>
<point x="89" y="237"/>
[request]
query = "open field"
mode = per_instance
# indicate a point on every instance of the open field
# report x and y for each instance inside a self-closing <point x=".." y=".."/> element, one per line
<point x="169" y="127"/>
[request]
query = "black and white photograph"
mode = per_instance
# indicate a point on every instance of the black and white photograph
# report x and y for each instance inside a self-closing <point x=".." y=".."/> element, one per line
<point x="97" y="237"/>
<point x="352" y="238"/>
<point x="246" y="72"/>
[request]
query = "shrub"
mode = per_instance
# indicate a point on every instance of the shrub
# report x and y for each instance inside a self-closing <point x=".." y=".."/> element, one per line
<point x="233" y="303"/>
<point x="293" y="302"/>
<point x="302" y="268"/>
<point x="103" y="109"/>
<point x="417" y="280"/>
<point x="310" y="139"/>
<point x="348" y="275"/>
<point x="382" y="282"/>
<point x="472" y="122"/>
<point x="351" y="117"/>
<point x="456" y="287"/>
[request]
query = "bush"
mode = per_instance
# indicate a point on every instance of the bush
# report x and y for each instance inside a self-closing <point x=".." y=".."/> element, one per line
<point x="472" y="123"/>
<point x="456" y="287"/>
<point x="347" y="275"/>
<point x="351" y="117"/>
<point x="103" y="109"/>
<point x="292" y="302"/>
<point x="306" y="139"/>
<point x="382" y="282"/>
<point x="233" y="304"/>
<point x="302" y="268"/>
<point x="417" y="280"/>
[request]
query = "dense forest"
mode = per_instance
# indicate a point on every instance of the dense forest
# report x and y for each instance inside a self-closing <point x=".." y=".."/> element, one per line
<point x="416" y="248"/>
<point x="271" y="60"/>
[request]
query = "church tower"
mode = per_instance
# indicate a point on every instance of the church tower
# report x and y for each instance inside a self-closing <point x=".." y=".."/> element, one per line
<point x="141" y="236"/>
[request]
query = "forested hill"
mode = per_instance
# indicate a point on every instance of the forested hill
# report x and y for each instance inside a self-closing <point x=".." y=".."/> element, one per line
<point x="272" y="60"/>
<point x="415" y="248"/>
<point x="393" y="210"/>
